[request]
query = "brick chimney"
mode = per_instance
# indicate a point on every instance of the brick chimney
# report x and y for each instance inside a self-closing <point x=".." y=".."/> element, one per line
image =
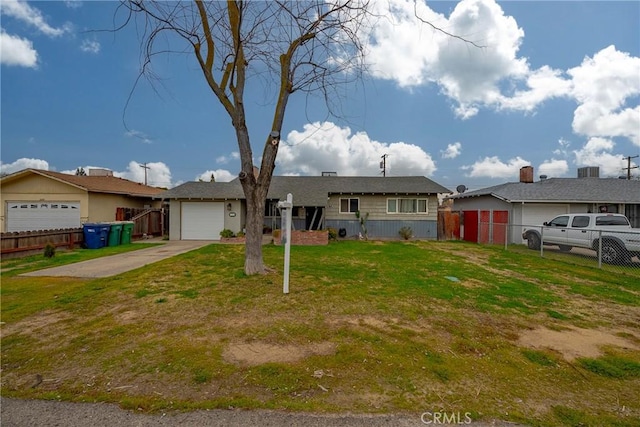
<point x="526" y="174"/>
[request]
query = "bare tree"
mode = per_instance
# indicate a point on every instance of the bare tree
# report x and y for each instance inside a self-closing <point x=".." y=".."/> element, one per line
<point x="300" y="46"/>
<point x="307" y="46"/>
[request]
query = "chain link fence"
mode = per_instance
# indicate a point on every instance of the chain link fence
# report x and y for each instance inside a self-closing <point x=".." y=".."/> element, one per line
<point x="617" y="251"/>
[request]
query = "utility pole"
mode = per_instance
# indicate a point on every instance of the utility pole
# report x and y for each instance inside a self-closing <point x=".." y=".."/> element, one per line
<point x="383" y="164"/>
<point x="629" y="167"/>
<point x="145" y="167"/>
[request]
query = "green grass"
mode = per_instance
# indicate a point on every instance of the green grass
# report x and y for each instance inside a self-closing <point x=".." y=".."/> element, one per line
<point x="367" y="327"/>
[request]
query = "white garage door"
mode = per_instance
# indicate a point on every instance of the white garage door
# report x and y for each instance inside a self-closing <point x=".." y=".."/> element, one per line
<point x="537" y="214"/>
<point x="202" y="220"/>
<point x="32" y="216"/>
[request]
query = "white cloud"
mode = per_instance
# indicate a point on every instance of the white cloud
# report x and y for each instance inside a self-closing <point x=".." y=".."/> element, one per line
<point x="452" y="151"/>
<point x="23" y="163"/>
<point x="226" y="159"/>
<point x="221" y="175"/>
<point x="553" y="168"/>
<point x="409" y="52"/>
<point x="90" y="46"/>
<point x="563" y="149"/>
<point x="493" y="167"/>
<point x="158" y="174"/>
<point x="143" y="137"/>
<point x="326" y="147"/>
<point x="542" y="84"/>
<point x="73" y="4"/>
<point x="597" y="152"/>
<point x="15" y="50"/>
<point x="602" y="85"/>
<point x="24" y="12"/>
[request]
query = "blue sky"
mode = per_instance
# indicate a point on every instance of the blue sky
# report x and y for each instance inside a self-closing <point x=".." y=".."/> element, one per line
<point x="556" y="86"/>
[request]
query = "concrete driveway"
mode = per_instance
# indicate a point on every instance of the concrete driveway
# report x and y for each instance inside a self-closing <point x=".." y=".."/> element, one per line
<point x="121" y="263"/>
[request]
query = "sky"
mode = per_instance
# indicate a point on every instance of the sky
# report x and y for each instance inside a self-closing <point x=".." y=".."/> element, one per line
<point x="553" y="84"/>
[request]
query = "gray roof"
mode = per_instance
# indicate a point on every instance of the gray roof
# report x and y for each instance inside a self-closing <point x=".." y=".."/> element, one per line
<point x="611" y="190"/>
<point x="310" y="190"/>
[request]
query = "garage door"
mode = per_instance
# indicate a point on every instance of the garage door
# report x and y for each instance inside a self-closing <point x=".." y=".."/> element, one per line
<point x="202" y="220"/>
<point x="32" y="216"/>
<point x="537" y="214"/>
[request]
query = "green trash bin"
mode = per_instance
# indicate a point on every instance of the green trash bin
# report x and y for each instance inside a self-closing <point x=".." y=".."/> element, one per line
<point x="127" y="230"/>
<point x="115" y="233"/>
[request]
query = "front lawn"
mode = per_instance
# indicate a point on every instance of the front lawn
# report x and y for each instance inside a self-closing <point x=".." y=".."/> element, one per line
<point x="391" y="327"/>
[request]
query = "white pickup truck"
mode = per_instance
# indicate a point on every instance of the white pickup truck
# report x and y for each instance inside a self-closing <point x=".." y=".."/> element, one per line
<point x="620" y="242"/>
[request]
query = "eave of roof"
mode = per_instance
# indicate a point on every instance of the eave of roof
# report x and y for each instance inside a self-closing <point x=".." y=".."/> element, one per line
<point x="310" y="190"/>
<point x="94" y="184"/>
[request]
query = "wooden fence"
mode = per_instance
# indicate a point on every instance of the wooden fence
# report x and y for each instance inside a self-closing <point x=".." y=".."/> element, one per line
<point x="147" y="222"/>
<point x="30" y="242"/>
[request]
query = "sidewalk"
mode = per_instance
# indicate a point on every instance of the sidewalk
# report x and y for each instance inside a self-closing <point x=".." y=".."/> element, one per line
<point x="121" y="263"/>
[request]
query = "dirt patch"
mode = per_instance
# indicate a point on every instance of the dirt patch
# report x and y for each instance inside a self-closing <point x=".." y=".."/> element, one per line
<point x="257" y="353"/>
<point x="574" y="342"/>
<point x="34" y="324"/>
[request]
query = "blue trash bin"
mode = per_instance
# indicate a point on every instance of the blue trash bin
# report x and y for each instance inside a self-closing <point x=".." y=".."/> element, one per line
<point x="95" y="235"/>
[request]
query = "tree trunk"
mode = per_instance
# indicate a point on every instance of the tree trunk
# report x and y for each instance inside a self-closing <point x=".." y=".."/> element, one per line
<point x="253" y="263"/>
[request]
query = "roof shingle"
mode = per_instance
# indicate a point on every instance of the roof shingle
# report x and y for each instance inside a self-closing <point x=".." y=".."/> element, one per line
<point x="611" y="190"/>
<point x="97" y="184"/>
<point x="309" y="190"/>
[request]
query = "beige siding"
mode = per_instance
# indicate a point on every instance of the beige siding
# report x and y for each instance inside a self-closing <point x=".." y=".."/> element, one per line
<point x="175" y="219"/>
<point x="102" y="206"/>
<point x="376" y="206"/>
<point x="233" y="223"/>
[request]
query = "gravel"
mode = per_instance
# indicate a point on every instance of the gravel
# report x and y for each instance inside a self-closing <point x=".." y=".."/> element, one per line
<point x="25" y="413"/>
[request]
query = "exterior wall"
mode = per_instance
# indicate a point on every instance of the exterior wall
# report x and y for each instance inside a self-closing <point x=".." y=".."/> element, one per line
<point x="387" y="229"/>
<point x="381" y="224"/>
<point x="102" y="206"/>
<point x="484" y="203"/>
<point x="234" y="223"/>
<point x="376" y="206"/>
<point x="39" y="188"/>
<point x="175" y="219"/>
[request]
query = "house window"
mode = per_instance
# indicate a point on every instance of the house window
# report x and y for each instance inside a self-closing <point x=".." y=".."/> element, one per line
<point x="406" y="206"/>
<point x="349" y="205"/>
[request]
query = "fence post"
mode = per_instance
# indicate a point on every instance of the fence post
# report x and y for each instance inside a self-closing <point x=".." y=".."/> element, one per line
<point x="507" y="231"/>
<point x="599" y="248"/>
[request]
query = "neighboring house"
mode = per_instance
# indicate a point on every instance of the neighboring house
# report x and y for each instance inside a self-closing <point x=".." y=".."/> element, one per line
<point x="532" y="203"/>
<point x="200" y="210"/>
<point x="34" y="199"/>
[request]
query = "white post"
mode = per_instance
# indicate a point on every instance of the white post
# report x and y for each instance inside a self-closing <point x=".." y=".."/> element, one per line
<point x="286" y="212"/>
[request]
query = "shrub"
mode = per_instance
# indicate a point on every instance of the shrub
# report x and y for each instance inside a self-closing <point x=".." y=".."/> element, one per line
<point x="240" y="234"/>
<point x="333" y="233"/>
<point x="226" y="233"/>
<point x="49" y="251"/>
<point x="406" y="233"/>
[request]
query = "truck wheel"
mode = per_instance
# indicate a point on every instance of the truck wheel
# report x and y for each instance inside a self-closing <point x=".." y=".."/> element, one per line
<point x="533" y="241"/>
<point x="564" y="248"/>
<point x="611" y="253"/>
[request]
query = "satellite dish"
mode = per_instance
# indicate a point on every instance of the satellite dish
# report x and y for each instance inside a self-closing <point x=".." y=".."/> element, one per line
<point x="461" y="188"/>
